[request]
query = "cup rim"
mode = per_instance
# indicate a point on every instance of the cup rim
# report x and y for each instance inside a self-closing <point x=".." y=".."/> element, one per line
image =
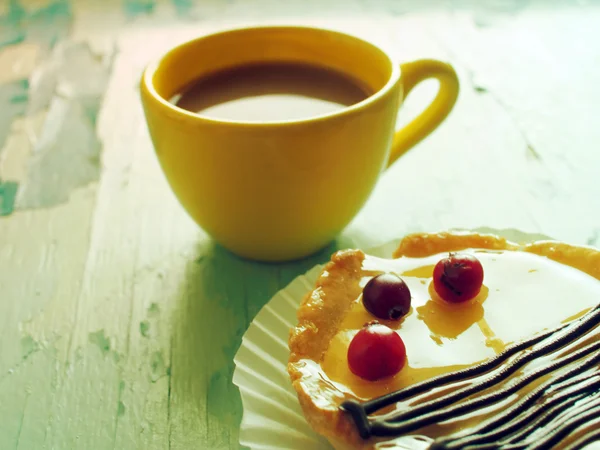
<point x="154" y="66"/>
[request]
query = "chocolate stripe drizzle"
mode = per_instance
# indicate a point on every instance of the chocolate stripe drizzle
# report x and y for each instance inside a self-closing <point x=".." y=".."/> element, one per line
<point x="522" y="417"/>
<point x="591" y="411"/>
<point x="592" y="436"/>
<point x="553" y="403"/>
<point x="549" y="417"/>
<point x="411" y="423"/>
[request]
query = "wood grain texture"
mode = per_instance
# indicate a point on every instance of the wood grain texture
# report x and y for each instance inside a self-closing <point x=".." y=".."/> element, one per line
<point x="119" y="318"/>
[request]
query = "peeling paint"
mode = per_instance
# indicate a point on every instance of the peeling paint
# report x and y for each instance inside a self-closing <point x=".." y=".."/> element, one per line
<point x="66" y="157"/>
<point x="10" y="31"/>
<point x="71" y="83"/>
<point x="10" y="36"/>
<point x="183" y="7"/>
<point x="28" y="346"/>
<point x="153" y="309"/>
<point x="67" y="153"/>
<point x="8" y="193"/>
<point x="98" y="338"/>
<point x="13" y="98"/>
<point x="157" y="366"/>
<point x="134" y="8"/>
<point x="74" y="72"/>
<point x="145" y="328"/>
<point x="50" y="23"/>
<point x="45" y="24"/>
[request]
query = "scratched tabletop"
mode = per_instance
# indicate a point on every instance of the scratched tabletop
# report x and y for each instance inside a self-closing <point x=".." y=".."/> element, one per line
<point x="119" y="317"/>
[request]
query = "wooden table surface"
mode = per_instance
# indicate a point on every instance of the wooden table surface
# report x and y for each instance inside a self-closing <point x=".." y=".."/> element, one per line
<point x="119" y="317"/>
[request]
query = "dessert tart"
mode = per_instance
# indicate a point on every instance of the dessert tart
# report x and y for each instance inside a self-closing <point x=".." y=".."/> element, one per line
<point x="461" y="340"/>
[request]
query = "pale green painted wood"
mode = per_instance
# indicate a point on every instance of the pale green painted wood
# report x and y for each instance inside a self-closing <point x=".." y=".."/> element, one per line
<point x="119" y="319"/>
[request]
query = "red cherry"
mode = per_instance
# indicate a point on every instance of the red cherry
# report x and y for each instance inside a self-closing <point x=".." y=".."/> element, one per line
<point x="376" y="352"/>
<point x="387" y="297"/>
<point x="458" y="277"/>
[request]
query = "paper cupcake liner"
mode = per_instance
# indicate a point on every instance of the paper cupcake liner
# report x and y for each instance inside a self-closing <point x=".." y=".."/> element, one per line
<point x="272" y="417"/>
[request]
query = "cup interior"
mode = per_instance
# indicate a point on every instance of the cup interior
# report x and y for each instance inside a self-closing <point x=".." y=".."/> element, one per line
<point x="363" y="61"/>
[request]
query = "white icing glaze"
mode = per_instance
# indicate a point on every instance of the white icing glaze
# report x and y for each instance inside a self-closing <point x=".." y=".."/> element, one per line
<point x="523" y="294"/>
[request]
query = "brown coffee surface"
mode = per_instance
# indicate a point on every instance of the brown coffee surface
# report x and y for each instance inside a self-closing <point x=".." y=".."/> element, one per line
<point x="266" y="92"/>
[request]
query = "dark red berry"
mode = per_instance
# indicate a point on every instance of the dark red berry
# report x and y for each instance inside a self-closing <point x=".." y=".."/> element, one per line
<point x="458" y="277"/>
<point x="376" y="352"/>
<point x="387" y="297"/>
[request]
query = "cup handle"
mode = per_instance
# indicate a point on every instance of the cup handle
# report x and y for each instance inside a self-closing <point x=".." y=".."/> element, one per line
<point x="412" y="74"/>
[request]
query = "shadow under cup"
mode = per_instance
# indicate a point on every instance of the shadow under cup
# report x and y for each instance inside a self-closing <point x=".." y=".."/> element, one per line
<point x="273" y="191"/>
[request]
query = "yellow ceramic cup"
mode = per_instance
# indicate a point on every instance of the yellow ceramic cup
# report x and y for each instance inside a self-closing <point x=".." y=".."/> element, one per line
<point x="275" y="191"/>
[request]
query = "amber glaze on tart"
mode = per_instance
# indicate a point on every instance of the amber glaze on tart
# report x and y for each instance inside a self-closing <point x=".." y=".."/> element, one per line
<point x="526" y="289"/>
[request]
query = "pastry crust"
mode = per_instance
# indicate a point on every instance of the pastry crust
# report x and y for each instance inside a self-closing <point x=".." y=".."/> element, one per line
<point x="319" y="317"/>
<point x="323" y="309"/>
